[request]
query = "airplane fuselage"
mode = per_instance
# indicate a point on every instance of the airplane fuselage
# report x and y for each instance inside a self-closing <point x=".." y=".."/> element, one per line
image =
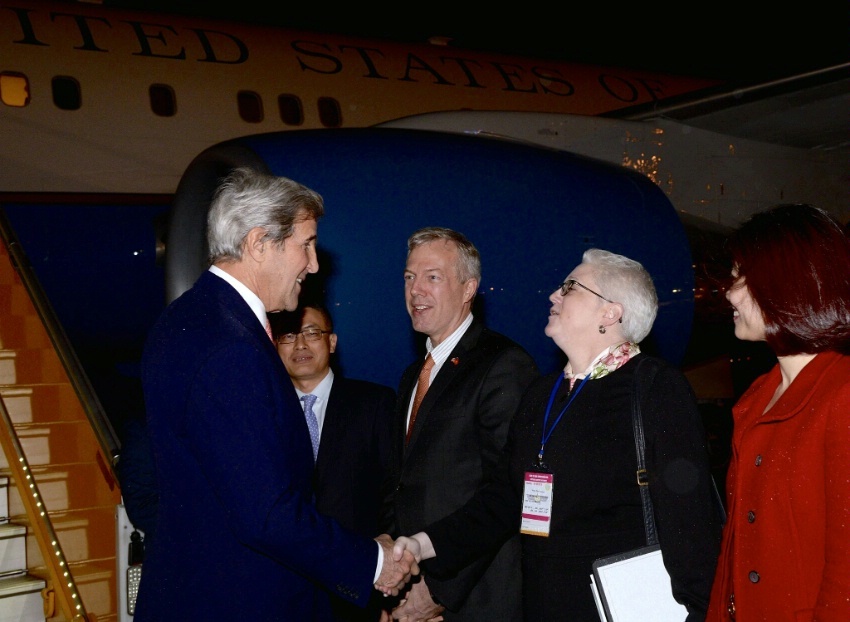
<point x="102" y="100"/>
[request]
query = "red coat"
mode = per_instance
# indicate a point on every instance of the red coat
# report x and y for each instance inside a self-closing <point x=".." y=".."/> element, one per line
<point x="785" y="552"/>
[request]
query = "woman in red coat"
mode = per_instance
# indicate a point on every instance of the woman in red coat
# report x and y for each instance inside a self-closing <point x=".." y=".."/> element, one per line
<point x="785" y="554"/>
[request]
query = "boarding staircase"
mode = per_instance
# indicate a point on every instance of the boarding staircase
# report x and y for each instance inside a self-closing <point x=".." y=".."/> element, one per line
<point x="59" y="492"/>
<point x="21" y="598"/>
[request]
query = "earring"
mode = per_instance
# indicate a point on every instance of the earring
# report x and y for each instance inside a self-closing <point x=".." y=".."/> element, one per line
<point x="601" y="329"/>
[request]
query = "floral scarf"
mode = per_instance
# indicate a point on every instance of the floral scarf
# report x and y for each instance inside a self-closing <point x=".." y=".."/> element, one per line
<point x="608" y="360"/>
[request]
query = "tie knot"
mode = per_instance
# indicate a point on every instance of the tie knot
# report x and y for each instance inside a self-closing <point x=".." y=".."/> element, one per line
<point x="308" y="400"/>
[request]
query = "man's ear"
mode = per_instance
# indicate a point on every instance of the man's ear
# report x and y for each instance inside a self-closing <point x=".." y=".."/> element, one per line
<point x="469" y="290"/>
<point x="256" y="244"/>
<point x="332" y="342"/>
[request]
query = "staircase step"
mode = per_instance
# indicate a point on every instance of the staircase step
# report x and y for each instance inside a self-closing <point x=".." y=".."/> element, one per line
<point x="4" y="495"/>
<point x="75" y="478"/>
<point x="21" y="583"/>
<point x="13" y="550"/>
<point x="20" y="598"/>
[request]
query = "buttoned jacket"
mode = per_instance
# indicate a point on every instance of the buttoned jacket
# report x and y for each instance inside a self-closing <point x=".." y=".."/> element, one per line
<point x="460" y="432"/>
<point x="238" y="534"/>
<point x="785" y="552"/>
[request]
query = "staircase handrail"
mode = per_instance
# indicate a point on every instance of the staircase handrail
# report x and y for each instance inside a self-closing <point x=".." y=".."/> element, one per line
<point x="98" y="419"/>
<point x="61" y="580"/>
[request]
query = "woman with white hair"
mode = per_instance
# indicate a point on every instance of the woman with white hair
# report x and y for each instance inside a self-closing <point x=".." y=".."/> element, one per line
<point x="569" y="480"/>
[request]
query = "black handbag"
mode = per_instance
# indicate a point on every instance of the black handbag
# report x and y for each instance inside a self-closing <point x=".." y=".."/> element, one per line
<point x="634" y="586"/>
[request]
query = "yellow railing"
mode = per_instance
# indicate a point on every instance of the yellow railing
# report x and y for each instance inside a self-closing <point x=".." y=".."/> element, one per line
<point x="71" y="521"/>
<point x="61" y="584"/>
<point x="98" y="419"/>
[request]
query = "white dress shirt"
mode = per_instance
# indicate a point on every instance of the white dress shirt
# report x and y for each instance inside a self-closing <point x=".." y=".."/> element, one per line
<point x="440" y="353"/>
<point x="322" y="391"/>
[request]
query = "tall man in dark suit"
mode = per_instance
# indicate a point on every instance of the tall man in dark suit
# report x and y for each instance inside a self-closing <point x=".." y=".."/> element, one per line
<point x="445" y="449"/>
<point x="238" y="536"/>
<point x="353" y="425"/>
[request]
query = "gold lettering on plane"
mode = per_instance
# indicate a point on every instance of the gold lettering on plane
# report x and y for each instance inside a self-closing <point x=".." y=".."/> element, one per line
<point x="218" y="43"/>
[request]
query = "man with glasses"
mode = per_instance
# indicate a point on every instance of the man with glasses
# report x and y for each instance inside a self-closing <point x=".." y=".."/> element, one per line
<point x="352" y="420"/>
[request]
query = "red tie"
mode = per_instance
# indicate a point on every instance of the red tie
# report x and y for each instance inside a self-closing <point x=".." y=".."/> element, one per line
<point x="421" y="389"/>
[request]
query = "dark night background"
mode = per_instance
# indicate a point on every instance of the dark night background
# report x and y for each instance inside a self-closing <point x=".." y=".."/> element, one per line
<point x="739" y="42"/>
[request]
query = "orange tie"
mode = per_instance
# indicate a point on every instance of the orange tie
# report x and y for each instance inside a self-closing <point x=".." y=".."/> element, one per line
<point x="421" y="390"/>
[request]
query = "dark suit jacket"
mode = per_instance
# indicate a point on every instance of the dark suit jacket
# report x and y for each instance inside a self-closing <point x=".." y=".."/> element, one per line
<point x="137" y="470"/>
<point x="460" y="431"/>
<point x="238" y="536"/>
<point x="596" y="500"/>
<point x="351" y="466"/>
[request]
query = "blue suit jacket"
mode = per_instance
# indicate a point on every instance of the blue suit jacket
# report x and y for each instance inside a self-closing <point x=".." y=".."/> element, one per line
<point x="238" y="536"/>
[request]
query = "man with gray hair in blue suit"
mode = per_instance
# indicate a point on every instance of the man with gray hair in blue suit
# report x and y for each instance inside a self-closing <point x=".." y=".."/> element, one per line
<point x="238" y="534"/>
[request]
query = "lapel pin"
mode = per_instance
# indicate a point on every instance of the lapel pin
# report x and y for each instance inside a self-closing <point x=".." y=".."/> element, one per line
<point x="455" y="361"/>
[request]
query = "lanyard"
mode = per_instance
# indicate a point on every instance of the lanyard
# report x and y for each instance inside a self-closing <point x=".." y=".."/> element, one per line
<point x="546" y="434"/>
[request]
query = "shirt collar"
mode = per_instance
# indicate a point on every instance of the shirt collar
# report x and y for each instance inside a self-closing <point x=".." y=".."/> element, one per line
<point x="248" y="296"/>
<point x="322" y="390"/>
<point x="441" y="352"/>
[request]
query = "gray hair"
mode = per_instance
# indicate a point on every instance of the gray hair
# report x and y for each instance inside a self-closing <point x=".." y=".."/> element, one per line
<point x="247" y="199"/>
<point x="625" y="281"/>
<point x="469" y="260"/>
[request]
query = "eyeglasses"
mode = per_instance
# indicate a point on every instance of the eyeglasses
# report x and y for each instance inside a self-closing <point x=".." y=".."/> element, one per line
<point x="310" y="334"/>
<point x="568" y="286"/>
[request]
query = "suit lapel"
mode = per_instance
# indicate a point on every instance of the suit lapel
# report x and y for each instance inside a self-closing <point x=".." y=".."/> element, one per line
<point x="333" y="427"/>
<point x="241" y="317"/>
<point x="231" y="300"/>
<point x="460" y="357"/>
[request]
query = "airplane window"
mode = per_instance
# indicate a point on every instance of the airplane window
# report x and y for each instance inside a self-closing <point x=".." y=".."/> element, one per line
<point x="329" y="112"/>
<point x="163" y="100"/>
<point x="66" y="93"/>
<point x="250" y="106"/>
<point x="291" y="111"/>
<point x="14" y="89"/>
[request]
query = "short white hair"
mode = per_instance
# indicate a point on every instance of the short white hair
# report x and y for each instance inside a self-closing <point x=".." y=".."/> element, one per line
<point x="627" y="282"/>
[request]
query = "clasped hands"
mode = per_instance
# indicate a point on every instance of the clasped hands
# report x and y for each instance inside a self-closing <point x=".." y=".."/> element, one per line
<point x="416" y="605"/>
<point x="401" y="560"/>
<point x="400" y="565"/>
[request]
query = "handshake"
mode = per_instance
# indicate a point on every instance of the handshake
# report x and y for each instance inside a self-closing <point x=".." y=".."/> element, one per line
<point x="401" y="563"/>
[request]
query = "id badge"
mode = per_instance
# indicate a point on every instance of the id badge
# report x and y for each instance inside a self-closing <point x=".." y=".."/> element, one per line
<point x="537" y="503"/>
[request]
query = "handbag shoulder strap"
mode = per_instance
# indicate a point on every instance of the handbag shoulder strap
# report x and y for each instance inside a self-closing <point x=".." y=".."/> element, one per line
<point x="642" y="476"/>
<point x="637" y="424"/>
